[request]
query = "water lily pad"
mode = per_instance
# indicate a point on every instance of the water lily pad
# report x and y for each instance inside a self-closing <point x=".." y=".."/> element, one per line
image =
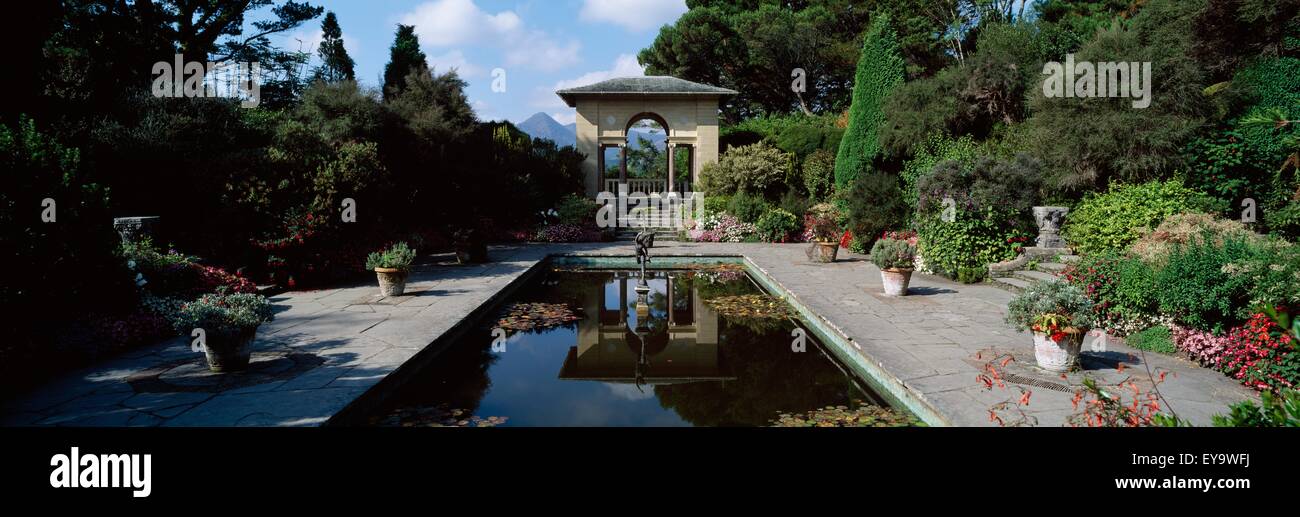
<point x="760" y="306"/>
<point x="864" y="415"/>
<point x="435" y="416"/>
<point x="536" y="316"/>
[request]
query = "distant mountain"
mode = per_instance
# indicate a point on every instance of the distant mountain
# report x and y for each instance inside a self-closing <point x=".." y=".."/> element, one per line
<point x="542" y="125"/>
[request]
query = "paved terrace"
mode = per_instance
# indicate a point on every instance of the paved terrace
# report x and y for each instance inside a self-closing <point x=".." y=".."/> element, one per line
<point x="328" y="347"/>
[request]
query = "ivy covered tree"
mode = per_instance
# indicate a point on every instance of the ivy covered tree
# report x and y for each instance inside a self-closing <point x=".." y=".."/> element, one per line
<point x="880" y="70"/>
<point x="404" y="58"/>
<point x="336" y="64"/>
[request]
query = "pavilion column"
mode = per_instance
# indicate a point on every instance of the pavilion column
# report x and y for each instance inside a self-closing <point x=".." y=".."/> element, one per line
<point x="671" y="320"/>
<point x="600" y="166"/>
<point x="690" y="164"/>
<point x="622" y="160"/>
<point x="622" y="300"/>
<point x="672" y="168"/>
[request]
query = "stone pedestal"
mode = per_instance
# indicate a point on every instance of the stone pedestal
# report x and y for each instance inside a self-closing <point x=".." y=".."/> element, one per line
<point x="132" y="228"/>
<point x="1049" y="219"/>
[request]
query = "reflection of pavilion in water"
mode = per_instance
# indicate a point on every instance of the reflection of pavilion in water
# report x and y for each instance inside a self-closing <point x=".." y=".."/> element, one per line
<point x="680" y="338"/>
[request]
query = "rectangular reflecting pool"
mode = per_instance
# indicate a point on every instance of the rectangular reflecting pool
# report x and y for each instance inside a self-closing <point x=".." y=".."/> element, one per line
<point x="703" y="346"/>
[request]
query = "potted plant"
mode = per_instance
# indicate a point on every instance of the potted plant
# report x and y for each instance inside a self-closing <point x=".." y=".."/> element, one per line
<point x="392" y="265"/>
<point x="470" y="246"/>
<point x="822" y="229"/>
<point x="229" y="323"/>
<point x="896" y="259"/>
<point x="1059" y="314"/>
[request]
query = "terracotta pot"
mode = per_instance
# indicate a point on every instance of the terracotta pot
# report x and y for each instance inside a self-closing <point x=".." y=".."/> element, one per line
<point x="392" y="282"/>
<point x="1055" y="356"/>
<point x="823" y="251"/>
<point x="896" y="281"/>
<point x="229" y="353"/>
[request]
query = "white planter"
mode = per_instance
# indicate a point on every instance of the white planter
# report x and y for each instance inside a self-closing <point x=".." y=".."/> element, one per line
<point x="896" y="281"/>
<point x="1056" y="356"/>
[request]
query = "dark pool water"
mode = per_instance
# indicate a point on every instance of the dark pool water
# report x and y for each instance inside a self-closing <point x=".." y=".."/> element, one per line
<point x="688" y="365"/>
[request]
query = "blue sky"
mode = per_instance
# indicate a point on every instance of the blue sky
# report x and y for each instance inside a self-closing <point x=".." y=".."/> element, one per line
<point x="542" y="45"/>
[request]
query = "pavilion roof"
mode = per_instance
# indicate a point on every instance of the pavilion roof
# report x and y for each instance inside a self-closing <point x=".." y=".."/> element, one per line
<point x="649" y="85"/>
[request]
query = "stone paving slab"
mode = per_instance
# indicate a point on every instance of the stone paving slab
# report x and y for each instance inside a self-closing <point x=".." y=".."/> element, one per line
<point x="328" y="347"/>
<point x="324" y="350"/>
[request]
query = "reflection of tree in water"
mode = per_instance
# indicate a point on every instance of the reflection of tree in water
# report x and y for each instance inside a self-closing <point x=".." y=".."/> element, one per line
<point x="457" y="377"/>
<point x="770" y="379"/>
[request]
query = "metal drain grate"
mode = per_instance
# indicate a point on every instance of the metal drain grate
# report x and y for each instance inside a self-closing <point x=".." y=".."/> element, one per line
<point x="1028" y="381"/>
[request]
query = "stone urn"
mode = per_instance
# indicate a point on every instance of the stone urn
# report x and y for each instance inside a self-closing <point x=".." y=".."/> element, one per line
<point x="1058" y="356"/>
<point x="131" y="229"/>
<point x="823" y="251"/>
<point x="392" y="281"/>
<point x="1049" y="219"/>
<point x="896" y="281"/>
<point x="229" y="352"/>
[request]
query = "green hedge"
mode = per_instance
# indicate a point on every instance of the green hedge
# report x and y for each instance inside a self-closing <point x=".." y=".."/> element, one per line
<point x="972" y="240"/>
<point x="1112" y="220"/>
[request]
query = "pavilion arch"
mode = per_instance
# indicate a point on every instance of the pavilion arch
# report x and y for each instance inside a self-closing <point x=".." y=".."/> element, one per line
<point x="687" y="111"/>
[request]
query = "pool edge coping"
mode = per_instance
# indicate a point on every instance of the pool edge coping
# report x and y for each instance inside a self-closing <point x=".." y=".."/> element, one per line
<point x="845" y="349"/>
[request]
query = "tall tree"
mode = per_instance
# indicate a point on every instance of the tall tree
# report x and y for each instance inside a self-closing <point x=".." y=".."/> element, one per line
<point x="880" y="70"/>
<point x="404" y="58"/>
<point x="336" y="65"/>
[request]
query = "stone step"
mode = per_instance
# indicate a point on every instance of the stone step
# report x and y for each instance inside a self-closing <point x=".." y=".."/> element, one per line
<point x="1012" y="284"/>
<point x="1033" y="276"/>
<point x="1068" y="259"/>
<point x="660" y="235"/>
<point x="1052" y="267"/>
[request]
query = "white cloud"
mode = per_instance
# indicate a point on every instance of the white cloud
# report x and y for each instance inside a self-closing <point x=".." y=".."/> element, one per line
<point x="624" y="66"/>
<point x="455" y="59"/>
<point x="539" y="51"/>
<point x="484" y="111"/>
<point x="545" y="98"/>
<point x="633" y="15"/>
<point x="309" y="41"/>
<point x="455" y="22"/>
<point x="446" y="23"/>
<point x="629" y="391"/>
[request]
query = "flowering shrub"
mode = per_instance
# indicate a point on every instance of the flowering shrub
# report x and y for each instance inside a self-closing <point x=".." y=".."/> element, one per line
<point x="1199" y="345"/>
<point x="1155" y="245"/>
<point x="567" y="233"/>
<point x="821" y="224"/>
<point x="297" y="228"/>
<point x="1105" y="408"/>
<point x="901" y="235"/>
<point x="777" y="225"/>
<point x="1124" y="291"/>
<point x="722" y="227"/>
<point x="1262" y="355"/>
<point x="213" y="278"/>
